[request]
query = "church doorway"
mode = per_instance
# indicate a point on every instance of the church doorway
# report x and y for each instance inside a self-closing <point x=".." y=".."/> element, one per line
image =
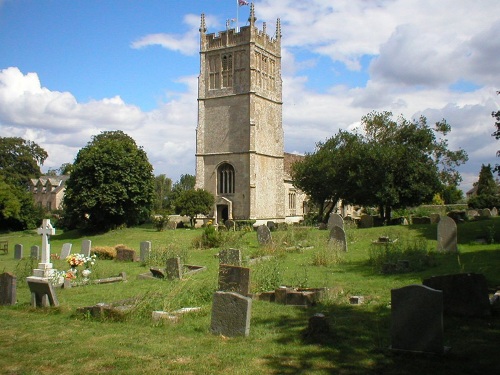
<point x="222" y="213"/>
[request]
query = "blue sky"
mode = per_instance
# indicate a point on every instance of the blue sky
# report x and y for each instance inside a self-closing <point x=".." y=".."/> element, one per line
<point x="71" y="69"/>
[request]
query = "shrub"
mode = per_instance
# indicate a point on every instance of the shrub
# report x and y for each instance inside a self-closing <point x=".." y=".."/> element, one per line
<point x="160" y="222"/>
<point x="267" y="276"/>
<point x="209" y="238"/>
<point x="104" y="252"/>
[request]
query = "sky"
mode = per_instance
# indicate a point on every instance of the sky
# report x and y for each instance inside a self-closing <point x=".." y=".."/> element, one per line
<point x="71" y="69"/>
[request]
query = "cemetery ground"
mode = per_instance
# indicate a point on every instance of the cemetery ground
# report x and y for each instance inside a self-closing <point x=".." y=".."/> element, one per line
<point x="57" y="340"/>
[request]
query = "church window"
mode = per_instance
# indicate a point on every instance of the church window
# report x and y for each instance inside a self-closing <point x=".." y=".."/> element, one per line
<point x="214" y="72"/>
<point x="291" y="200"/>
<point x="227" y="70"/>
<point x="225" y="183"/>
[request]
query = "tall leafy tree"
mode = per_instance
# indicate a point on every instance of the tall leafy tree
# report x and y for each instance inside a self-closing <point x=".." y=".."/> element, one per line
<point x="163" y="186"/>
<point x="185" y="182"/>
<point x="193" y="202"/>
<point x="496" y="133"/>
<point x="487" y="193"/>
<point x="111" y="184"/>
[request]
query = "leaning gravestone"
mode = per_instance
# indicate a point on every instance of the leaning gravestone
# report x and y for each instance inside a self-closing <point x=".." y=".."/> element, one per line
<point x="35" y="252"/>
<point x="18" y="251"/>
<point x="337" y="238"/>
<point x="366" y="221"/>
<point x="230" y="256"/>
<point x="145" y="250"/>
<point x="335" y="220"/>
<point x="231" y="314"/>
<point x="464" y="294"/>
<point x="86" y="246"/>
<point x="8" y="289"/>
<point x="234" y="279"/>
<point x="174" y="268"/>
<point x="42" y="293"/>
<point x="447" y="235"/>
<point x="66" y="250"/>
<point x="263" y="235"/>
<point x="417" y="319"/>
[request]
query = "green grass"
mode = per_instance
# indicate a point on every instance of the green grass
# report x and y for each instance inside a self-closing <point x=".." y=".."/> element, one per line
<point x="57" y="340"/>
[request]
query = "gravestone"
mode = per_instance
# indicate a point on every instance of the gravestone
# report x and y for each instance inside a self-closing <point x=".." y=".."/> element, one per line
<point x="447" y="235"/>
<point x="417" y="319"/>
<point x="464" y="294"/>
<point x="271" y="225"/>
<point x="86" y="246"/>
<point x="337" y="238"/>
<point x="158" y="273"/>
<point x="335" y="220"/>
<point x="145" y="250"/>
<point x="230" y="225"/>
<point x="231" y="314"/>
<point x="234" y="279"/>
<point x="472" y="213"/>
<point x="485" y="212"/>
<point x="35" y="252"/>
<point x="230" y="256"/>
<point x="125" y="255"/>
<point x="263" y="235"/>
<point x="8" y="289"/>
<point x="18" y="251"/>
<point x="494" y="211"/>
<point x="366" y="221"/>
<point x="174" y="268"/>
<point x="42" y="293"/>
<point x="45" y="269"/>
<point x="66" y="250"/>
<point x="435" y="218"/>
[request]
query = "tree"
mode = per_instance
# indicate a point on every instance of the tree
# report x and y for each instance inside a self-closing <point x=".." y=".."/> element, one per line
<point x="20" y="160"/>
<point x="163" y="186"/>
<point x="112" y="184"/>
<point x="496" y="133"/>
<point x="186" y="182"/>
<point x="193" y="202"/>
<point x="487" y="193"/>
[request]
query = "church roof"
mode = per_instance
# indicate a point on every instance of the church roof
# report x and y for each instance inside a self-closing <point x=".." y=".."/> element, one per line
<point x="288" y="161"/>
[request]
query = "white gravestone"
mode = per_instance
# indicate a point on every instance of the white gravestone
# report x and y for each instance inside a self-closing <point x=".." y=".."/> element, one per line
<point x="45" y="266"/>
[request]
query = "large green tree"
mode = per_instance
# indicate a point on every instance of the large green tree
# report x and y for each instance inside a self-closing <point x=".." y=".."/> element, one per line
<point x="193" y="202"/>
<point x="496" y="133"/>
<point x="163" y="186"/>
<point x="487" y="193"/>
<point x="111" y="184"/>
<point x="185" y="182"/>
<point x="20" y="160"/>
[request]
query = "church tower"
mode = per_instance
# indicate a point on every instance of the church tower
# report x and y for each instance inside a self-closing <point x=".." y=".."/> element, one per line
<point x="239" y="138"/>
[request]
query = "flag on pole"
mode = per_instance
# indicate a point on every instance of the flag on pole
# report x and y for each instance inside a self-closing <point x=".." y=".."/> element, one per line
<point x="242" y="2"/>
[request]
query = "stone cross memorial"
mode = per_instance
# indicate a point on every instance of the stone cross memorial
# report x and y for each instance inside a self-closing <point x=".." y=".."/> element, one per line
<point x="45" y="266"/>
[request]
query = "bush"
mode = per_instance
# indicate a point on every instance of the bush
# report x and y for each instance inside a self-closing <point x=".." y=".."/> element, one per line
<point x="104" y="252"/>
<point x="210" y="238"/>
<point x="160" y="222"/>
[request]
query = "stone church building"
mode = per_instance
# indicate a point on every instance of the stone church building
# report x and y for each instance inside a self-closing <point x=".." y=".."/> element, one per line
<point x="240" y="154"/>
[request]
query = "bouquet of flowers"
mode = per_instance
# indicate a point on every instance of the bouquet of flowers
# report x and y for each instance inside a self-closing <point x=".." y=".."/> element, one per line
<point x="74" y="260"/>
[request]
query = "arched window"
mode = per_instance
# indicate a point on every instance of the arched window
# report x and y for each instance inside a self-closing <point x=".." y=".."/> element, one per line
<point x="225" y="183"/>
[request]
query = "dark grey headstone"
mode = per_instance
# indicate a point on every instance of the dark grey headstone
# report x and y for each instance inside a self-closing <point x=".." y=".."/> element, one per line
<point x="8" y="289"/>
<point x="18" y="251"/>
<point x="366" y="221"/>
<point x="338" y="238"/>
<point x="66" y="250"/>
<point x="42" y="293"/>
<point x="230" y="256"/>
<point x="145" y="250"/>
<point x="234" y="279"/>
<point x="230" y="225"/>
<point x="125" y="255"/>
<point x="417" y="319"/>
<point x="271" y="225"/>
<point x="435" y="218"/>
<point x="231" y="314"/>
<point x="263" y="235"/>
<point x="447" y="235"/>
<point x="86" y="246"/>
<point x="464" y="294"/>
<point x="335" y="220"/>
<point x="174" y="268"/>
<point x="35" y="252"/>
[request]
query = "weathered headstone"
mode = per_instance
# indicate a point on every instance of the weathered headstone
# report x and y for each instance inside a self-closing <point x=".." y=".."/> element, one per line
<point x="435" y="218"/>
<point x="231" y="314"/>
<point x="272" y="226"/>
<point x="417" y="319"/>
<point x="66" y="250"/>
<point x="366" y="221"/>
<point x="338" y="238"/>
<point x="125" y="255"/>
<point x="8" y="289"/>
<point x="174" y="268"/>
<point x="447" y="235"/>
<point x="472" y="213"/>
<point x="234" y="279"/>
<point x="145" y="250"/>
<point x="485" y="212"/>
<point x="86" y="246"/>
<point x="35" y="252"/>
<point x="18" y="251"/>
<point x="158" y="273"/>
<point x="230" y="225"/>
<point x="464" y="294"/>
<point x="494" y="211"/>
<point x="263" y="235"/>
<point x="230" y="256"/>
<point x="42" y="293"/>
<point x="335" y="220"/>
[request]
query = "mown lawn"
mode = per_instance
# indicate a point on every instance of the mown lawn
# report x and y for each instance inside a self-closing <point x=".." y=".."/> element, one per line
<point x="57" y="340"/>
